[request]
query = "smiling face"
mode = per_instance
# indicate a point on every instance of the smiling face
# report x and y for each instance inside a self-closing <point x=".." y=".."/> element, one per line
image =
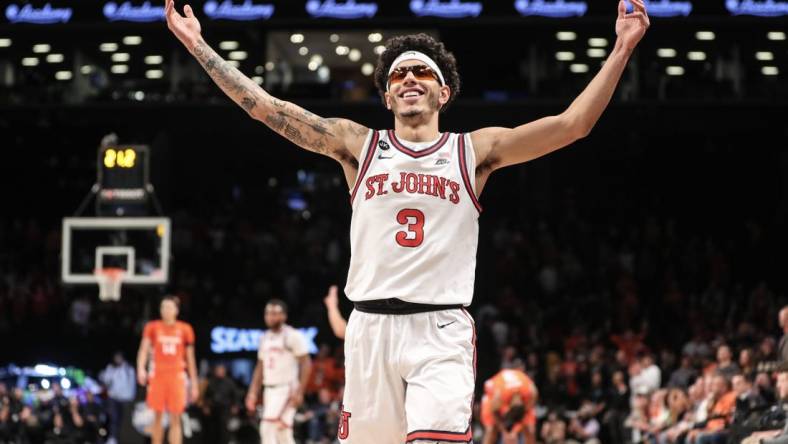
<point x="413" y="98"/>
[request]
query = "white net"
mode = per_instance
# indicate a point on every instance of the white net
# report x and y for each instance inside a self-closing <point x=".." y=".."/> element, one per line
<point x="109" y="281"/>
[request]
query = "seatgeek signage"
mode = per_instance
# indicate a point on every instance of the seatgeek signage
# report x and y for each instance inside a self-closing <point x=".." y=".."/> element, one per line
<point x="341" y="10"/>
<point x="44" y="15"/>
<point x="445" y="9"/>
<point x="228" y="10"/>
<point x="234" y="340"/>
<point x="762" y="8"/>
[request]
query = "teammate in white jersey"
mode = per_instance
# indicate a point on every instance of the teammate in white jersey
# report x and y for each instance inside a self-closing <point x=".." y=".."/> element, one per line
<point x="409" y="344"/>
<point x="283" y="367"/>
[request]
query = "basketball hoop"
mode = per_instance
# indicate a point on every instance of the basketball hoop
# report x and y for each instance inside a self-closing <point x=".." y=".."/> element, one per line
<point x="109" y="281"/>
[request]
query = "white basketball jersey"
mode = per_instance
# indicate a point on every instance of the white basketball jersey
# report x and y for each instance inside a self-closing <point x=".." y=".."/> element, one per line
<point x="279" y="352"/>
<point x="414" y="230"/>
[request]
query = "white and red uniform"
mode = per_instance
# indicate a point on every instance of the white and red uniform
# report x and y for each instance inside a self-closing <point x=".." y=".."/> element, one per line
<point x="413" y="237"/>
<point x="279" y="352"/>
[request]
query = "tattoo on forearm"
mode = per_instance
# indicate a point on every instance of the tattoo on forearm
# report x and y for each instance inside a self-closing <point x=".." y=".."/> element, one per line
<point x="225" y="75"/>
<point x="247" y="103"/>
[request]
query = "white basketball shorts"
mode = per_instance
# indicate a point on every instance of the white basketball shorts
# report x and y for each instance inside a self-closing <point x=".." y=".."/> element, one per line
<point x="408" y="378"/>
<point x="276" y="426"/>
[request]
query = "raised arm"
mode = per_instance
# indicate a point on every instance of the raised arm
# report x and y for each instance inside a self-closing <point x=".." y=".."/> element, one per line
<point x="340" y="139"/>
<point x="499" y="147"/>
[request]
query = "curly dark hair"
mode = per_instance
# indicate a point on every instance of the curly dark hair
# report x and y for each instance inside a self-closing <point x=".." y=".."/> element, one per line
<point x="423" y="43"/>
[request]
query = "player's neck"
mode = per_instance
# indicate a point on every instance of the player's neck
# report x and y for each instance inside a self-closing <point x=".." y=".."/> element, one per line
<point x="417" y="131"/>
<point x="166" y="322"/>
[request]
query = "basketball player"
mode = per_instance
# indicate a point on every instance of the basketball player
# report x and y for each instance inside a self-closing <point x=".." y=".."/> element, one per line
<point x="409" y="343"/>
<point x="335" y="318"/>
<point x="508" y="406"/>
<point x="283" y="367"/>
<point x="173" y="352"/>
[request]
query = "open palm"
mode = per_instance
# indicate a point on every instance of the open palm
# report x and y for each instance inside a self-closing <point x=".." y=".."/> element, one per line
<point x="630" y="28"/>
<point x="187" y="28"/>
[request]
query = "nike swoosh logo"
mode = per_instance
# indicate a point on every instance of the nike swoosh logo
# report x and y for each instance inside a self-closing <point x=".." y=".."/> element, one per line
<point x="445" y="325"/>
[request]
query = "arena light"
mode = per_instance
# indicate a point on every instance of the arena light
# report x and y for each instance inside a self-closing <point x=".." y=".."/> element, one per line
<point x="228" y="45"/>
<point x="132" y="40"/>
<point x="597" y="42"/>
<point x="234" y="63"/>
<point x="764" y="56"/>
<point x="41" y="48"/>
<point x="705" y="35"/>
<point x="153" y="59"/>
<point x="323" y="74"/>
<point x="45" y="384"/>
<point x="5" y="43"/>
<point x="119" y="69"/>
<point x="121" y="57"/>
<point x="154" y="74"/>
<point x="303" y="50"/>
<point x="566" y="36"/>
<point x="367" y="69"/>
<point x="317" y="58"/>
<point x="565" y="56"/>
<point x="55" y="58"/>
<point x="596" y="53"/>
<point x="578" y="68"/>
<point x="776" y="35"/>
<point x="342" y="50"/>
<point x="354" y="55"/>
<point x="334" y="38"/>
<point x="63" y="75"/>
<point x="86" y="69"/>
<point x="65" y="383"/>
<point x="313" y="66"/>
<point x="666" y="53"/>
<point x="259" y="69"/>
<point x="375" y="37"/>
<point x="696" y="56"/>
<point x="380" y="49"/>
<point x="297" y="38"/>
<point x="238" y="55"/>
<point x="258" y="80"/>
<point x="675" y="70"/>
<point x="108" y="47"/>
<point x="30" y="61"/>
<point x="269" y="66"/>
<point x="770" y="71"/>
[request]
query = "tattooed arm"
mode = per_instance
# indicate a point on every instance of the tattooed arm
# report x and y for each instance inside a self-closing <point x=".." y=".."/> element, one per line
<point x="340" y="139"/>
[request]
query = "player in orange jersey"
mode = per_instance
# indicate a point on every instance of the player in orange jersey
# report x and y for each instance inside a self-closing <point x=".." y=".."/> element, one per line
<point x="172" y="342"/>
<point x="508" y="406"/>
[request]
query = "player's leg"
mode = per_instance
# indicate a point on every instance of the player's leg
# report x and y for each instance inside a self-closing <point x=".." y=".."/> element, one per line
<point x="275" y="405"/>
<point x="157" y="431"/>
<point x="175" y="401"/>
<point x="155" y="400"/>
<point x="490" y="435"/>
<point x="175" y="434"/>
<point x="488" y="421"/>
<point x="373" y="409"/>
<point x="440" y="375"/>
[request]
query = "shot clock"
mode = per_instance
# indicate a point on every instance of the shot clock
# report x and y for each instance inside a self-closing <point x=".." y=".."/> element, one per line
<point x="123" y="174"/>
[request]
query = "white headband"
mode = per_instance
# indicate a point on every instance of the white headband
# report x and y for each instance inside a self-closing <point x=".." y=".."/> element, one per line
<point x="415" y="55"/>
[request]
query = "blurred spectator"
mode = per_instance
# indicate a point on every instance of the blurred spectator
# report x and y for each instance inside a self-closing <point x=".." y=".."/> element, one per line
<point x="584" y="427"/>
<point x="554" y="430"/>
<point x="725" y="365"/>
<point x="773" y="417"/>
<point x="221" y="400"/>
<point x="644" y="374"/>
<point x="322" y="417"/>
<point x="324" y="372"/>
<point x="684" y="375"/>
<point x="723" y="400"/>
<point x="782" y="349"/>
<point x="121" y="384"/>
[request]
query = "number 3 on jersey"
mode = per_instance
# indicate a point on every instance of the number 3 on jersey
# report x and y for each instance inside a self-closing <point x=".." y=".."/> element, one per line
<point x="414" y="236"/>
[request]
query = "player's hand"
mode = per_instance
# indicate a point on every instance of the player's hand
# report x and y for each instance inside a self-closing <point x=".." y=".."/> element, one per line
<point x="142" y="377"/>
<point x="331" y="300"/>
<point x="297" y="399"/>
<point x="194" y="391"/>
<point x="509" y="437"/>
<point x="187" y="28"/>
<point x="630" y="28"/>
<point x="250" y="401"/>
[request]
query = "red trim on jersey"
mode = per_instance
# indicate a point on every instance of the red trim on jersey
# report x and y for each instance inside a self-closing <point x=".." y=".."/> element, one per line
<point x="420" y="153"/>
<point x="365" y="166"/>
<point x="464" y="171"/>
<point x="473" y="342"/>
<point x="438" y="435"/>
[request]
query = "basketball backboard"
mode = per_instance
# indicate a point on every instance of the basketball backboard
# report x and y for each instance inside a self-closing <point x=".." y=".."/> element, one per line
<point x="140" y="247"/>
